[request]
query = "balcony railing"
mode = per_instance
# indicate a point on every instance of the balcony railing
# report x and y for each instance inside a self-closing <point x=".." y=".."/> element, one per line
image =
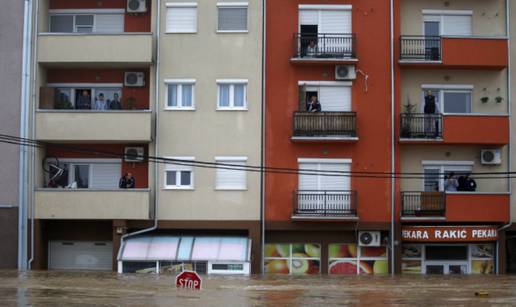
<point x="324" y="46"/>
<point x="421" y="204"/>
<point x="321" y="124"/>
<point x="318" y="203"/>
<point x="421" y="126"/>
<point x="422" y="48"/>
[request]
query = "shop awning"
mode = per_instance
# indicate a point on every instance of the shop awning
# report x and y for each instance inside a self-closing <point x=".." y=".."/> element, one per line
<point x="185" y="248"/>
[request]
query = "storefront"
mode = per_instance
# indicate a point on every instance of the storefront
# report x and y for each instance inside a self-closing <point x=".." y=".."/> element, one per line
<point x="449" y="250"/>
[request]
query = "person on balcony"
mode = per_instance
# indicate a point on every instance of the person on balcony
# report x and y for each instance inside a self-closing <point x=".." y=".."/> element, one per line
<point x="127" y="181"/>
<point x="115" y="104"/>
<point x="100" y="103"/>
<point x="451" y="184"/>
<point x="430" y="109"/>
<point x="311" y="49"/>
<point x="83" y="101"/>
<point x="467" y="184"/>
<point x="313" y="105"/>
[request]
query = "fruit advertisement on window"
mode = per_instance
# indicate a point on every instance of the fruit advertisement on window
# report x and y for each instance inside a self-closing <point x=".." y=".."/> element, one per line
<point x="348" y="259"/>
<point x="297" y="258"/>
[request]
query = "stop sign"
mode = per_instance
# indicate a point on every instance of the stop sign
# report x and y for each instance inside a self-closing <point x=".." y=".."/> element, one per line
<point x="188" y="279"/>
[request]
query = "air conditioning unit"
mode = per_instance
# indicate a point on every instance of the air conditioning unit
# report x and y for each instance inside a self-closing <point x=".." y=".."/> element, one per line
<point x="134" y="154"/>
<point x="491" y="156"/>
<point x="136" y="6"/>
<point x="345" y="72"/>
<point x="369" y="238"/>
<point x="134" y="79"/>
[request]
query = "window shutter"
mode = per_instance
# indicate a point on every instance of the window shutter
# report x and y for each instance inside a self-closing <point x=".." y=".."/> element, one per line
<point x="181" y="19"/>
<point x="109" y="23"/>
<point x="335" y="21"/>
<point x="335" y="98"/>
<point x="105" y="175"/>
<point x="231" y="19"/>
<point x="231" y="179"/>
<point x="308" y="17"/>
<point x="308" y="182"/>
<point x="457" y="25"/>
<point x="335" y="183"/>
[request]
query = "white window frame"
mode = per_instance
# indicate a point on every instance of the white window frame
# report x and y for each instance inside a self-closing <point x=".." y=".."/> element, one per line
<point x="230" y="160"/>
<point x="438" y="16"/>
<point x="319" y="162"/>
<point x="449" y="88"/>
<point x="93" y="87"/>
<point x="172" y="5"/>
<point x="89" y="162"/>
<point x="179" y="83"/>
<point x="443" y="166"/>
<point x="232" y="83"/>
<point x="75" y="12"/>
<point x="239" y="5"/>
<point x="323" y="7"/>
<point x="178" y="169"/>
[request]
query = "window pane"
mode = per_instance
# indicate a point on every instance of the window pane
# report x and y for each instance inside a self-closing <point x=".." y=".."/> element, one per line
<point x="432" y="179"/>
<point x="84" y="20"/>
<point x="81" y="175"/>
<point x="231" y="19"/>
<point x="84" y="29"/>
<point x="185" y="178"/>
<point x="224" y="95"/>
<point x="239" y="95"/>
<point x="457" y="102"/>
<point x="171" y="178"/>
<point x="187" y="95"/>
<point x="63" y="98"/>
<point x="61" y="23"/>
<point x="172" y="95"/>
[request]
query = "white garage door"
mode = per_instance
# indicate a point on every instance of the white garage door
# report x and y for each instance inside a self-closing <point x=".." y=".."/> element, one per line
<point x="80" y="255"/>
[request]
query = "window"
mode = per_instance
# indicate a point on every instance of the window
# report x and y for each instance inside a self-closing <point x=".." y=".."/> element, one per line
<point x="231" y="179"/>
<point x="67" y="96"/>
<point x="350" y="259"/>
<point x="447" y="23"/>
<point x="232" y="95"/>
<point x="296" y="258"/>
<point x="181" y="18"/>
<point x="434" y="173"/>
<point x="90" y="173"/>
<point x="452" y="98"/>
<point x="333" y="97"/>
<point x="312" y="179"/>
<point x="232" y="17"/>
<point x="180" y="94"/>
<point x="87" y="21"/>
<point x="179" y="176"/>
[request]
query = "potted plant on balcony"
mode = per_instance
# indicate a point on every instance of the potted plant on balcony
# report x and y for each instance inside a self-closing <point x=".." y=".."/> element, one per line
<point x="62" y="102"/>
<point x="131" y="103"/>
<point x="484" y="99"/>
<point x="408" y="110"/>
<point x="499" y="99"/>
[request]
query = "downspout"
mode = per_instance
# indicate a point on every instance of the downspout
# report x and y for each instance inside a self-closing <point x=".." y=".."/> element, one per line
<point x="509" y="109"/>
<point x="393" y="169"/>
<point x="262" y="158"/>
<point x="33" y="150"/>
<point x="24" y="128"/>
<point x="156" y="140"/>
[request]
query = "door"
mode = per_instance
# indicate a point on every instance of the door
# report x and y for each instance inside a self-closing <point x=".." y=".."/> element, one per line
<point x="446" y="268"/>
<point x="432" y="40"/>
<point x="80" y="255"/>
<point x="446" y="259"/>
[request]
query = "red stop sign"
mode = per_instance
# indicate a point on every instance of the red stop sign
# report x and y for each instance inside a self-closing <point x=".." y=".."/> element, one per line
<point x="188" y="279"/>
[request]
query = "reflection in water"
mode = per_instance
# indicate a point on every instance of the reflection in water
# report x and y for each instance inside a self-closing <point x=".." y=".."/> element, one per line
<point x="92" y="288"/>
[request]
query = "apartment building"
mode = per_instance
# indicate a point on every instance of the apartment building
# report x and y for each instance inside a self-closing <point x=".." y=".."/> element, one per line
<point x="456" y="54"/>
<point x="11" y="42"/>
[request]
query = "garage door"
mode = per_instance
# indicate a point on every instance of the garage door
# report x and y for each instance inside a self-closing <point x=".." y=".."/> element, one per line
<point x="80" y="255"/>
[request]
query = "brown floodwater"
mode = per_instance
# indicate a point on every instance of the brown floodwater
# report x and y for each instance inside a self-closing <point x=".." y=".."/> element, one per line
<point x="111" y="289"/>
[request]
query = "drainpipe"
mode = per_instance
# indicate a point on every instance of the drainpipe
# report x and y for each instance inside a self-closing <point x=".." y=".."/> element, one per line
<point x="262" y="158"/>
<point x="24" y="128"/>
<point x="509" y="107"/>
<point x="33" y="150"/>
<point x="393" y="160"/>
<point x="156" y="140"/>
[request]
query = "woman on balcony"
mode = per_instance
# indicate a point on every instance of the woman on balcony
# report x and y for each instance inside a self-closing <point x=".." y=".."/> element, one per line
<point x="313" y="105"/>
<point x="451" y="184"/>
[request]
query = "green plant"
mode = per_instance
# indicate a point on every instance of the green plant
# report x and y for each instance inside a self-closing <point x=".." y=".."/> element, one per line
<point x="499" y="99"/>
<point x="408" y="110"/>
<point x="131" y="103"/>
<point x="484" y="99"/>
<point x="62" y="103"/>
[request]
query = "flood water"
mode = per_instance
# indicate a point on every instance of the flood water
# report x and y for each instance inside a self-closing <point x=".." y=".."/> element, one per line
<point x="111" y="289"/>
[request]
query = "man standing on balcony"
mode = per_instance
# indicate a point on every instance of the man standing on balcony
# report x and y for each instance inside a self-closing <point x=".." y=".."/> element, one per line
<point x="83" y="101"/>
<point x="100" y="103"/>
<point x="430" y="108"/>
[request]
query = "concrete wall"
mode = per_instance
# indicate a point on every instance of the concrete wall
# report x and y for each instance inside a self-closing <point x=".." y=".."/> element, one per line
<point x="413" y="155"/>
<point x="486" y="83"/>
<point x="488" y="16"/>
<point x="205" y="133"/>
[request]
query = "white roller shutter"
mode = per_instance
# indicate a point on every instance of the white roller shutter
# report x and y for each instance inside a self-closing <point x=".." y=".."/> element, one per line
<point x="308" y="182"/>
<point x="335" y="21"/>
<point x="105" y="175"/>
<point x="335" y="98"/>
<point x="109" y="23"/>
<point x="181" y="20"/>
<point x="231" y="179"/>
<point x="308" y="17"/>
<point x="80" y="255"/>
<point x="460" y="25"/>
<point x="335" y="183"/>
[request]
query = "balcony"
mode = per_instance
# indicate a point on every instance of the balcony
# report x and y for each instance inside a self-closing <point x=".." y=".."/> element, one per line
<point x="454" y="129"/>
<point x="93" y="126"/>
<point x="453" y="52"/>
<point x="456" y="206"/>
<point x="95" y="49"/>
<point x="131" y="204"/>
<point x="323" y="205"/>
<point x="336" y="126"/>
<point x="324" y="48"/>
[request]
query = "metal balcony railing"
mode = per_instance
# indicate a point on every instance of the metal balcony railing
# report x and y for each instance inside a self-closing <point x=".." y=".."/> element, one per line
<point x="320" y="203"/>
<point x="415" y="204"/>
<point x="421" y="126"/>
<point x="423" y="48"/>
<point x="321" y="124"/>
<point x="324" y="45"/>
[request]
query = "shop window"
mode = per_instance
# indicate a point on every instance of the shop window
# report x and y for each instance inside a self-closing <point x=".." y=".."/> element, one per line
<point x="482" y="258"/>
<point x="411" y="257"/>
<point x="350" y="259"/>
<point x="296" y="259"/>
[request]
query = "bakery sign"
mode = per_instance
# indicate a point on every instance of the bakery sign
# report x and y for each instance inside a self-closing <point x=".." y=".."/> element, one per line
<point x="448" y="233"/>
